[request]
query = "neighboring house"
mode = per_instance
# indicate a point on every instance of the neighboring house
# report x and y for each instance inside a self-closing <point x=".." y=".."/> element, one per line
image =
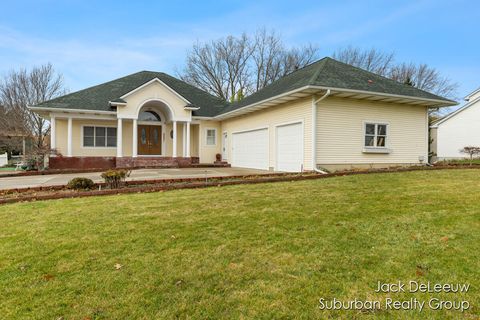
<point x="326" y="115"/>
<point x="457" y="130"/>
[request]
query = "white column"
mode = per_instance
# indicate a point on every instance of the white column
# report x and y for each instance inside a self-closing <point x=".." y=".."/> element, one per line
<point x="184" y="139"/>
<point x="69" y="137"/>
<point x="135" y="139"/>
<point x="174" y="152"/>
<point x="53" y="122"/>
<point x="119" y="138"/>
<point x="188" y="140"/>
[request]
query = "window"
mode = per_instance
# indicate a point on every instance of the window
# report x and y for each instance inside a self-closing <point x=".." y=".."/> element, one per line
<point x="148" y="116"/>
<point x="99" y="136"/>
<point x="211" y="137"/>
<point x="375" y="135"/>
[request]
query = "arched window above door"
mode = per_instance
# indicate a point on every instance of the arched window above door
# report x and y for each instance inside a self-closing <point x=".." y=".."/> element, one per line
<point x="148" y="116"/>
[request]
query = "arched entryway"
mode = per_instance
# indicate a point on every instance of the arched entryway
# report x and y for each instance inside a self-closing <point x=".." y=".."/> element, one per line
<point x="150" y="133"/>
<point x="151" y="128"/>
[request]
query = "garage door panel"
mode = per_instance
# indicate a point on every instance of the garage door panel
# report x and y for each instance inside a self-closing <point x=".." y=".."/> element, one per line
<point x="290" y="147"/>
<point x="250" y="149"/>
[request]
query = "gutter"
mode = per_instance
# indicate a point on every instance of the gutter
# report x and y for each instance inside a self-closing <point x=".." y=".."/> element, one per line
<point x="71" y="110"/>
<point x="314" y="131"/>
<point x="435" y="102"/>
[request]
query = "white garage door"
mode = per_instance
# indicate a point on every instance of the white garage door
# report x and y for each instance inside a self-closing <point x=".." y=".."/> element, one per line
<point x="250" y="149"/>
<point x="290" y="147"/>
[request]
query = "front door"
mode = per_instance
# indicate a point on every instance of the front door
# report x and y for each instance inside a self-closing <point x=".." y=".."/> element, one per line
<point x="149" y="140"/>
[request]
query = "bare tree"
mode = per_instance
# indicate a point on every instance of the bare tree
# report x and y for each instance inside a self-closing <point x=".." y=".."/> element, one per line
<point x="471" y="151"/>
<point x="371" y="60"/>
<point x="234" y="66"/>
<point x="420" y="76"/>
<point x="23" y="88"/>
<point x="271" y="60"/>
<point x="219" y="67"/>
<point x="267" y="58"/>
<point x="424" y="77"/>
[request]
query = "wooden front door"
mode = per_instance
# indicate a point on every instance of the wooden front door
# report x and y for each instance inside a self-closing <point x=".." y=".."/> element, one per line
<point x="149" y="140"/>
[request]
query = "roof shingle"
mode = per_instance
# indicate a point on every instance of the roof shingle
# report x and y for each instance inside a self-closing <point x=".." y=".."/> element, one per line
<point x="326" y="72"/>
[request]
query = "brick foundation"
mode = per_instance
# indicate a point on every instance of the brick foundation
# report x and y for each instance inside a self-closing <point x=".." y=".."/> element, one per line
<point x="64" y="163"/>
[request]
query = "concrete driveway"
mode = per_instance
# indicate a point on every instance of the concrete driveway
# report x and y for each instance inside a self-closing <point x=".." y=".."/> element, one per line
<point x="138" y="174"/>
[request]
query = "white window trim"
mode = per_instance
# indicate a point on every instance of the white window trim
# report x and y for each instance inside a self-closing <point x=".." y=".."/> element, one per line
<point x="206" y="137"/>
<point x="375" y="149"/>
<point x="95" y="148"/>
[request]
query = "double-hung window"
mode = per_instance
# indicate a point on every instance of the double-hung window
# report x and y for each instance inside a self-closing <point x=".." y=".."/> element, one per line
<point x="211" y="137"/>
<point x="99" y="136"/>
<point x="375" y="135"/>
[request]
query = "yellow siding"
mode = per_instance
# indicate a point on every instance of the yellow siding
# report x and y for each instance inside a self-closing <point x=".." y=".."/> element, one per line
<point x="340" y="132"/>
<point x="194" y="136"/>
<point x="77" y="144"/>
<point x="78" y="150"/>
<point x="61" y="135"/>
<point x="207" y="153"/>
<point x="300" y="110"/>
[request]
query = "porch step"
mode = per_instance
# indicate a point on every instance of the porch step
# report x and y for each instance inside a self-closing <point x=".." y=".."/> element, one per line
<point x="154" y="162"/>
<point x="215" y="164"/>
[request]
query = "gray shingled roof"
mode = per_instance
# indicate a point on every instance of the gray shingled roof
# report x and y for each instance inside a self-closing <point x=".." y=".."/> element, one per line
<point x="97" y="97"/>
<point x="331" y="73"/>
<point x="326" y="72"/>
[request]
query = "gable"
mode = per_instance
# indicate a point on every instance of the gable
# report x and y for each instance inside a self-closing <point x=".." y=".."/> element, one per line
<point x="154" y="90"/>
<point x="471" y="109"/>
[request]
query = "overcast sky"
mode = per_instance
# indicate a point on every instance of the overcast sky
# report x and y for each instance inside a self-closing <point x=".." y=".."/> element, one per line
<point x="95" y="41"/>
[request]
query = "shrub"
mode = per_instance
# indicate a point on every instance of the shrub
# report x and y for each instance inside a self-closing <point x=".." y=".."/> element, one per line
<point x="114" y="178"/>
<point x="80" y="184"/>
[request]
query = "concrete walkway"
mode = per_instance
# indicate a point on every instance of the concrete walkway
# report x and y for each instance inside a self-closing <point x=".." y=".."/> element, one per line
<point x="138" y="174"/>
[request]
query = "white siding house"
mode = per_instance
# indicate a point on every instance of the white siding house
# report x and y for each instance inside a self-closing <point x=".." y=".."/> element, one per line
<point x="457" y="130"/>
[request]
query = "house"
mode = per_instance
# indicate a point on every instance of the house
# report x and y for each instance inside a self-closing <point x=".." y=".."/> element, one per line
<point x="457" y="130"/>
<point x="326" y="115"/>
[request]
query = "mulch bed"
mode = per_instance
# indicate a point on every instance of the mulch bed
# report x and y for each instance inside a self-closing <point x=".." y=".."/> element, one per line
<point x="140" y="186"/>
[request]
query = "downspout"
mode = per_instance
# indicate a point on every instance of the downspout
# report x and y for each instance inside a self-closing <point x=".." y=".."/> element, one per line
<point x="314" y="131"/>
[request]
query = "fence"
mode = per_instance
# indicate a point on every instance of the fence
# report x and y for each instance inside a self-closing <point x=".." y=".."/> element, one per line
<point x="3" y="159"/>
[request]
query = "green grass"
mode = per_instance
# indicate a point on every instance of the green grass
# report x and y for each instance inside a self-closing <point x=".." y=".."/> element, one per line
<point x="7" y="168"/>
<point x="475" y="161"/>
<point x="254" y="251"/>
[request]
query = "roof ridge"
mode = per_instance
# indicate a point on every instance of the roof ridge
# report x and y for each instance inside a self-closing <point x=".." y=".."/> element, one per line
<point x="320" y="68"/>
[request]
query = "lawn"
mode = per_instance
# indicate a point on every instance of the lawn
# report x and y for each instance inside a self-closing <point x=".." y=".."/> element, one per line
<point x="264" y="251"/>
